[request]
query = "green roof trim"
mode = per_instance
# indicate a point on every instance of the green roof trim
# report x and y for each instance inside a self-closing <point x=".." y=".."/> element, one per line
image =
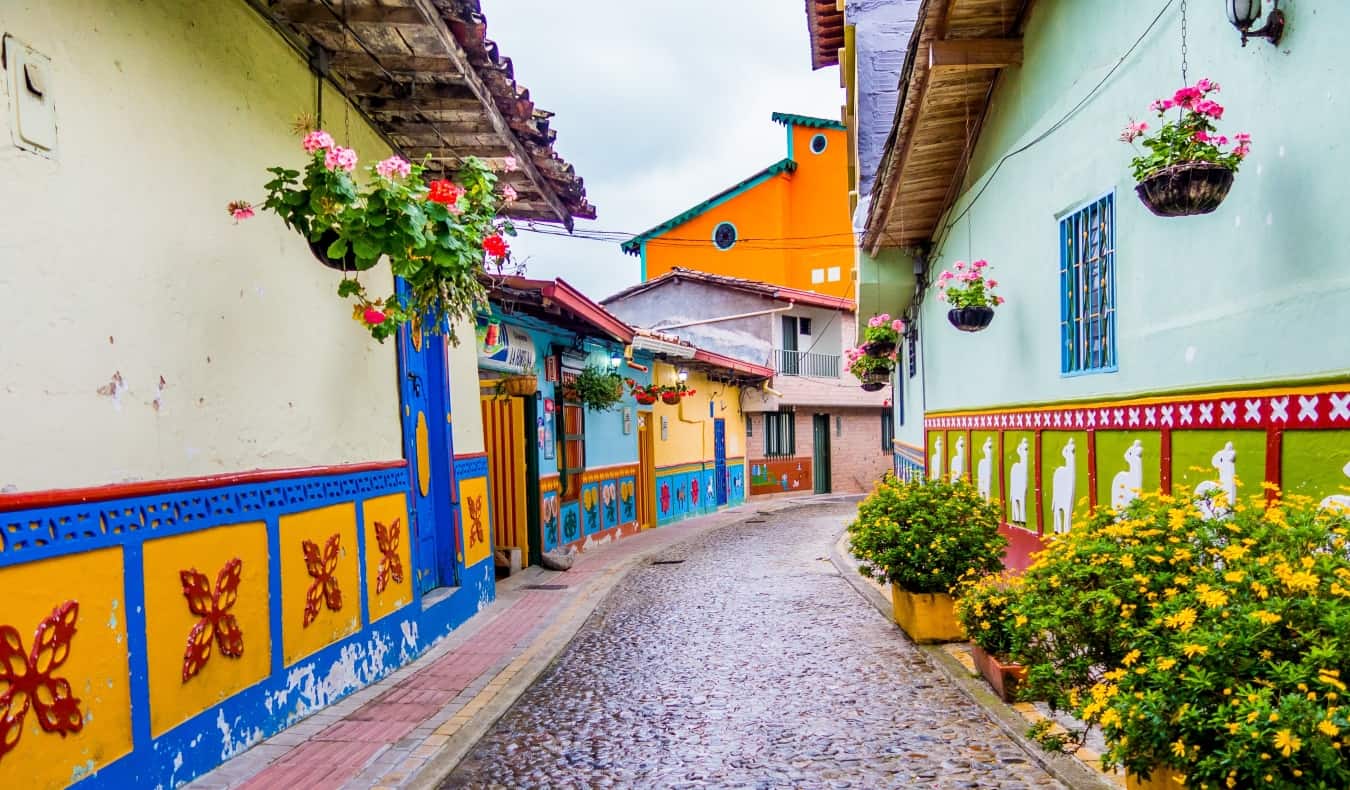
<point x="634" y="245"/>
<point x="787" y="119"/>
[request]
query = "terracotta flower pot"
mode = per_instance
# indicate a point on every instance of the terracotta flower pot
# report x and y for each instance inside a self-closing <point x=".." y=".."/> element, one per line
<point x="1185" y="189"/>
<point x="1003" y="678"/>
<point x="970" y="319"/>
<point x="670" y="398"/>
<point x="926" y="617"/>
<point x="320" y="250"/>
<point x="880" y="349"/>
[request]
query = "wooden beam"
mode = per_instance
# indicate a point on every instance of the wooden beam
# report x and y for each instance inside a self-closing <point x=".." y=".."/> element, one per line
<point x="359" y="61"/>
<point x="476" y="84"/>
<point x="974" y="53"/>
<point x="308" y="13"/>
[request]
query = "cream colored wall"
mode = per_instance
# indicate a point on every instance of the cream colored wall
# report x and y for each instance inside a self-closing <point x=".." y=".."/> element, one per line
<point x="465" y="406"/>
<point x="118" y="260"/>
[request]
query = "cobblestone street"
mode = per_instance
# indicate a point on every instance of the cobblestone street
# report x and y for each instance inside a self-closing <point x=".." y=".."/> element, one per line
<point x="752" y="663"/>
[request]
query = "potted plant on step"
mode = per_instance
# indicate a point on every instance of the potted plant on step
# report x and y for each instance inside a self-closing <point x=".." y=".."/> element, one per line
<point x="1184" y="169"/>
<point x="436" y="236"/>
<point x="970" y="292"/>
<point x="882" y="335"/>
<point x="873" y="372"/>
<point x="983" y="607"/>
<point x="924" y="538"/>
<point x="597" y="388"/>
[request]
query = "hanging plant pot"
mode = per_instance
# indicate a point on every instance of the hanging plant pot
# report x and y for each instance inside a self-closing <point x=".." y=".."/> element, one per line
<point x="880" y="348"/>
<point x="1185" y="189"/>
<point x="521" y="386"/>
<point x="970" y="319"/>
<point x="320" y="250"/>
<point x="670" y="398"/>
<point x="873" y="382"/>
<point x="644" y="399"/>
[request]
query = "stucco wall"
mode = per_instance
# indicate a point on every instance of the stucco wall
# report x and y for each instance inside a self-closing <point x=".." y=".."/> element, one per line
<point x="145" y="336"/>
<point x="682" y="301"/>
<point x="1253" y="292"/>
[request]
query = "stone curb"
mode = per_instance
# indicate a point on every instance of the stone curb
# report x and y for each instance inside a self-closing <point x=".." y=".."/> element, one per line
<point x="550" y="644"/>
<point x="1063" y="767"/>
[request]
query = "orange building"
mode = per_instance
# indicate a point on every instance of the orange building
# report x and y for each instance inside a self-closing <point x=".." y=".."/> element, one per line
<point x="788" y="224"/>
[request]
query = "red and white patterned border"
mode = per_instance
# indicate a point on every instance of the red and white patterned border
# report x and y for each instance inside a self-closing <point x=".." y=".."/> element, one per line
<point x="1288" y="410"/>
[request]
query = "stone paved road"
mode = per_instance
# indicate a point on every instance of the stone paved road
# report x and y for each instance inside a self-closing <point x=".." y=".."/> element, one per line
<point x="751" y="664"/>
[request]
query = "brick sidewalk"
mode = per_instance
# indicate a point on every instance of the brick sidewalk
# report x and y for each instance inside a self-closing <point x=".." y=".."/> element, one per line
<point x="411" y="728"/>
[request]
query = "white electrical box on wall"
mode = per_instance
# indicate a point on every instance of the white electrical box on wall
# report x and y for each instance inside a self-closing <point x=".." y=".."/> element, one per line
<point x="32" y="106"/>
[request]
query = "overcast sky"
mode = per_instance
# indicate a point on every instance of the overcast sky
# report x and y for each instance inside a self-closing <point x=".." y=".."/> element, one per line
<point x="659" y="105"/>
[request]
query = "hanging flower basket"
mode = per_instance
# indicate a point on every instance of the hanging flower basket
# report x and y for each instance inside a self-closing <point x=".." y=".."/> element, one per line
<point x="644" y="399"/>
<point x="873" y="382"/>
<point x="1185" y="189"/>
<point x="670" y="398"/>
<point x="881" y="348"/>
<point x="970" y="319"/>
<point x="521" y="386"/>
<point x="347" y="263"/>
<point x="881" y="336"/>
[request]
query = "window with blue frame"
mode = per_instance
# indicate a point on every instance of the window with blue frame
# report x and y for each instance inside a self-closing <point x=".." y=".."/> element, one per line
<point x="1087" y="288"/>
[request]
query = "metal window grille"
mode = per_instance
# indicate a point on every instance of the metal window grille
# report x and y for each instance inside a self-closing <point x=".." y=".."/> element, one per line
<point x="913" y="351"/>
<point x="887" y="431"/>
<point x="780" y="434"/>
<point x="1087" y="288"/>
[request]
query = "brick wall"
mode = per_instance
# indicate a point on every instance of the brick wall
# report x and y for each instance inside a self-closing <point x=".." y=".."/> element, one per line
<point x="857" y="459"/>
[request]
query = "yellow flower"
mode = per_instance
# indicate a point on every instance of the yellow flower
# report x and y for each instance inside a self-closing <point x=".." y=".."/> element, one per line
<point x="1020" y="620"/>
<point x="1130" y="658"/>
<point x="1267" y="618"/>
<point x="1191" y="650"/>
<point x="1327" y="727"/>
<point x="1166" y="663"/>
<point x="1213" y="598"/>
<point x="1233" y="576"/>
<point x="1182" y="621"/>
<point x="1287" y="742"/>
<point x="1179" y="748"/>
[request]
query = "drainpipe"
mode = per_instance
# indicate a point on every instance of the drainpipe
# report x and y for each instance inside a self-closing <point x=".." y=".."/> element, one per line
<point x="726" y="318"/>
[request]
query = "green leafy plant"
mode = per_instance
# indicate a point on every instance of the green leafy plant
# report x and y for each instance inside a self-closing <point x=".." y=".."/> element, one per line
<point x="861" y="364"/>
<point x="883" y="329"/>
<point x="1217" y="648"/>
<point x="967" y="285"/>
<point x="436" y="236"/>
<point x="597" y="388"/>
<point x="926" y="536"/>
<point x="1191" y="137"/>
<point x="984" y="609"/>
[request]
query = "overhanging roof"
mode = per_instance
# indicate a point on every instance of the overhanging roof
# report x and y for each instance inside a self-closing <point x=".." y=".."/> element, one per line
<point x="669" y="347"/>
<point x="825" y="24"/>
<point x="558" y="303"/>
<point x="433" y="84"/>
<point x="955" y="55"/>
<point x="634" y="245"/>
<point x="766" y="290"/>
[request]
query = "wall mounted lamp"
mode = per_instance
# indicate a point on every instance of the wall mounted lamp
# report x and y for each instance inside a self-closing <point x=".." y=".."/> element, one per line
<point x="1244" y="13"/>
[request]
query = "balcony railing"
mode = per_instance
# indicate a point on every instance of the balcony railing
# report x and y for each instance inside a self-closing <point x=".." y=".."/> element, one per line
<point x="806" y="363"/>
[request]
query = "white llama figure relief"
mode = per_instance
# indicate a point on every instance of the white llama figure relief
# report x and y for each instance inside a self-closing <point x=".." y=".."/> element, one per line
<point x="984" y="473"/>
<point x="1125" y="485"/>
<point x="1063" y="490"/>
<point x="959" y="459"/>
<point x="1017" y="486"/>
<point x="1338" y="502"/>
<point x="935" y="466"/>
<point x="1225" y="461"/>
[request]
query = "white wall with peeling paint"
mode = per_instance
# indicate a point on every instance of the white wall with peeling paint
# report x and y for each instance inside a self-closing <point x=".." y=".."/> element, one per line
<point x="143" y="335"/>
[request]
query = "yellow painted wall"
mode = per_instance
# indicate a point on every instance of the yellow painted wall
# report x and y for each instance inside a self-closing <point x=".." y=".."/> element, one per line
<point x="318" y="526"/>
<point x="129" y="268"/>
<point x="96" y="666"/>
<point x="689" y="432"/>
<point x="169" y="622"/>
<point x="391" y="514"/>
<point x="786" y="227"/>
<point x="475" y="521"/>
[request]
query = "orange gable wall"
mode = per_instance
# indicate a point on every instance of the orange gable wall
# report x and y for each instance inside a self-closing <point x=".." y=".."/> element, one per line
<point x="770" y="219"/>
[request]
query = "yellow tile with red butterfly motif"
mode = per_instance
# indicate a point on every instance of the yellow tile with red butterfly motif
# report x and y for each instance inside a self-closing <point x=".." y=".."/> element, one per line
<point x="475" y="520"/>
<point x="320" y="579"/>
<point x="208" y="634"/>
<point x="389" y="569"/>
<point x="86" y="667"/>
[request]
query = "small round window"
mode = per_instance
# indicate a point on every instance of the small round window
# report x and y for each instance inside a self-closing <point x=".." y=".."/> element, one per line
<point x="724" y="235"/>
<point x="818" y="144"/>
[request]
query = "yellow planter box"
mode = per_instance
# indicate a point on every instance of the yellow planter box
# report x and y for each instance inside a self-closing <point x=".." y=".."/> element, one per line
<point x="1161" y="779"/>
<point x="926" y="617"/>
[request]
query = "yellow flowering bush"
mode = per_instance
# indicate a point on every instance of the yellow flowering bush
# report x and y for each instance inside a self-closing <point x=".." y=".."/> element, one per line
<point x="926" y="536"/>
<point x="1219" y="648"/>
<point x="984" y="608"/>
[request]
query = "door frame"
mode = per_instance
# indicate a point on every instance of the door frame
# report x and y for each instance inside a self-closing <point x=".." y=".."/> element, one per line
<point x="646" y="477"/>
<point x="721" y="483"/>
<point x="820" y="454"/>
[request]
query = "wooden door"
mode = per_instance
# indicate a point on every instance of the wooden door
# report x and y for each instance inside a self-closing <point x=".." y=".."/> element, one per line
<point x="646" y="482"/>
<point x="820" y="460"/>
<point x="504" y="438"/>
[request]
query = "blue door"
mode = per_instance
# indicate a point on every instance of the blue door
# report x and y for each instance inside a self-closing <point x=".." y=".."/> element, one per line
<point x="425" y="400"/>
<point x="720" y="460"/>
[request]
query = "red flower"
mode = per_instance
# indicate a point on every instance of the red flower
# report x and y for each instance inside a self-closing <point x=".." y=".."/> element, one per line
<point x="373" y="316"/>
<point x="444" y="191"/>
<point x="495" y="245"/>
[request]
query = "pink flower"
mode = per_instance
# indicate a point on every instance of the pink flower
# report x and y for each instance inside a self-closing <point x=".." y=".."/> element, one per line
<point x="1202" y="136"/>
<point x="898" y="325"/>
<point x="317" y="139"/>
<point x="1187" y="97"/>
<point x="1242" y="150"/>
<point x="373" y="317"/>
<point x="945" y="276"/>
<point x="1162" y="105"/>
<point x="1242" y="138"/>
<point x="960" y="266"/>
<point x="240" y="210"/>
<point x="509" y="193"/>
<point x="1206" y="85"/>
<point x="1221" y="141"/>
<point x="874" y="321"/>
<point x="999" y="300"/>
<point x="942" y="296"/>
<point x="394" y="166"/>
<point x="1211" y="108"/>
<point x="991" y="283"/>
<point x="339" y="158"/>
<point x="1133" y="130"/>
<point x="883" y="318"/>
<point x="980" y="264"/>
<point x="510" y="164"/>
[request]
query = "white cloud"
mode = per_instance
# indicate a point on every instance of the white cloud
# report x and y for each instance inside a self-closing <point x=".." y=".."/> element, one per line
<point x="658" y="105"/>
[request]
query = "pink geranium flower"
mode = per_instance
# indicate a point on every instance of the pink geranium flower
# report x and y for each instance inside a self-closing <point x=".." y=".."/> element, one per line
<point x="1202" y="136"/>
<point x="898" y="325"/>
<point x="980" y="264"/>
<point x="240" y="210"/>
<point x="394" y="166"/>
<point x="1206" y="85"/>
<point x="510" y="164"/>
<point x="945" y="276"/>
<point x="1162" y="105"/>
<point x="1133" y="130"/>
<point x="339" y="158"/>
<point x="1211" y="108"/>
<point x="999" y="300"/>
<point x="960" y="266"/>
<point x="991" y="283"/>
<point x="509" y="193"/>
<point x="1187" y="97"/>
<point x="316" y="140"/>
